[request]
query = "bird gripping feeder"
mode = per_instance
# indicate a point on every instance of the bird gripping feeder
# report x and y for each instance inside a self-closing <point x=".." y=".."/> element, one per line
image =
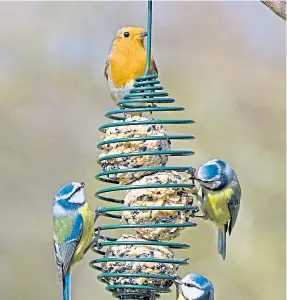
<point x="146" y="90"/>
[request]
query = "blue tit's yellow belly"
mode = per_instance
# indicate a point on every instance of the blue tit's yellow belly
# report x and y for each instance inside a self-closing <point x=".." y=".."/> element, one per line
<point x="88" y="231"/>
<point x="216" y="206"/>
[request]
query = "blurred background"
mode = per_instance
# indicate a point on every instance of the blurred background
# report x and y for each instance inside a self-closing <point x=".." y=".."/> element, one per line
<point x="223" y="61"/>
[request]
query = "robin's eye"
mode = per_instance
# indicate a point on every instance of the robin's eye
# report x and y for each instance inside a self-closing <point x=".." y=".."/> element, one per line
<point x="126" y="34"/>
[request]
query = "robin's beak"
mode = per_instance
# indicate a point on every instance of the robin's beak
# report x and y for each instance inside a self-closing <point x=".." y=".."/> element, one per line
<point x="83" y="183"/>
<point x="142" y="35"/>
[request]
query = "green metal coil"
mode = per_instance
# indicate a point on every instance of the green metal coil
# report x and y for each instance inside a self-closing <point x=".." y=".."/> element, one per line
<point x="147" y="91"/>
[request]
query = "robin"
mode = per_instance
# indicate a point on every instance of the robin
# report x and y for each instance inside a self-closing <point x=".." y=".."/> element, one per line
<point x="126" y="61"/>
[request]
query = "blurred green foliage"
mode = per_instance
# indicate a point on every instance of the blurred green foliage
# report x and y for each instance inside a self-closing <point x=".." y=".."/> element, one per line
<point x="224" y="61"/>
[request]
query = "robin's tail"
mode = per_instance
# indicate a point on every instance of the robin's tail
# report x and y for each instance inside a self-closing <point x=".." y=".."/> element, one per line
<point x="67" y="286"/>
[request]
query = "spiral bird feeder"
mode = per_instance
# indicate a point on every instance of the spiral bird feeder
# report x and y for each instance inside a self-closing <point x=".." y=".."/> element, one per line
<point x="148" y="92"/>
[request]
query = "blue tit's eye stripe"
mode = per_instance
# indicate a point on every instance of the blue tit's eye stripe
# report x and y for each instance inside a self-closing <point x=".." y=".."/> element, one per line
<point x="66" y="192"/>
<point x="76" y="190"/>
<point x="190" y="284"/>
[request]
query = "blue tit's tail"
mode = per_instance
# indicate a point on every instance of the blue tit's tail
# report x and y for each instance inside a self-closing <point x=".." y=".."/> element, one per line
<point x="67" y="286"/>
<point x="221" y="243"/>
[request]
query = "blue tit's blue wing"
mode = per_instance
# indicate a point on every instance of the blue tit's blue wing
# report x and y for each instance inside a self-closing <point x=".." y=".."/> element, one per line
<point x="64" y="253"/>
<point x="71" y="242"/>
<point x="58" y="260"/>
<point x="233" y="206"/>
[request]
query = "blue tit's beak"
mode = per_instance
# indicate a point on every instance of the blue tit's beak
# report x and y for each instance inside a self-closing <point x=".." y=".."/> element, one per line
<point x="83" y="183"/>
<point x="142" y="35"/>
<point x="193" y="173"/>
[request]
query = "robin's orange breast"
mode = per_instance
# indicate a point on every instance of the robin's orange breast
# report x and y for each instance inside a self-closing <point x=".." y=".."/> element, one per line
<point x="126" y="65"/>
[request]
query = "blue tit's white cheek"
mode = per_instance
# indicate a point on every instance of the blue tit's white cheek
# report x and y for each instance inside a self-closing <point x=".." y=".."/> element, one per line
<point x="78" y="197"/>
<point x="216" y="184"/>
<point x="191" y="293"/>
<point x="199" y="174"/>
<point x="58" y="210"/>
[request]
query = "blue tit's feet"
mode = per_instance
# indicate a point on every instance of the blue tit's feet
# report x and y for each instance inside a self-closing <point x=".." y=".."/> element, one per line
<point x="177" y="283"/>
<point x="88" y="248"/>
<point x="97" y="214"/>
<point x="205" y="217"/>
<point x="194" y="211"/>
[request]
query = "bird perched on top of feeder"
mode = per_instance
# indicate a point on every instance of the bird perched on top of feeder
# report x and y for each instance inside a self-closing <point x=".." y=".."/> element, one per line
<point x="73" y="228"/>
<point x="126" y="61"/>
<point x="195" y="287"/>
<point x="219" y="194"/>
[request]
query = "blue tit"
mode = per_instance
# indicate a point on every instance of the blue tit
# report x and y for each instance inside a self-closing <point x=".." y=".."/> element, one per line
<point x="195" y="287"/>
<point x="73" y="228"/>
<point x="219" y="194"/>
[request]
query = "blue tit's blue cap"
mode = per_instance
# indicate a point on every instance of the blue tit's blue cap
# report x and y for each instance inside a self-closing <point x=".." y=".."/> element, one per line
<point x="210" y="170"/>
<point x="65" y="190"/>
<point x="68" y="190"/>
<point x="201" y="281"/>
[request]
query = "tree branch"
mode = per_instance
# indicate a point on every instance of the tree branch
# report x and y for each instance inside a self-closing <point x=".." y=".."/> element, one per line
<point x="278" y="7"/>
